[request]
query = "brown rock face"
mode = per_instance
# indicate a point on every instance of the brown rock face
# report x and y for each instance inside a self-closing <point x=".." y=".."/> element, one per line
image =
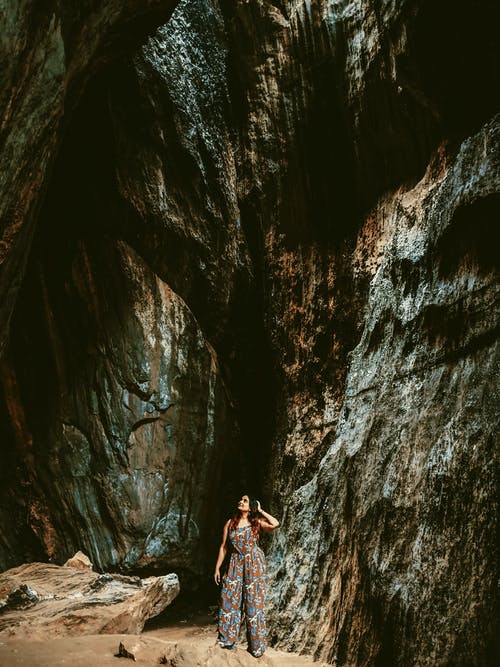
<point x="273" y="260"/>
<point x="402" y="505"/>
<point x="79" y="561"/>
<point x="120" y="414"/>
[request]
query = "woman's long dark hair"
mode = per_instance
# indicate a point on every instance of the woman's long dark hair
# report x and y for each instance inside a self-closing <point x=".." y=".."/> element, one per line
<point x="253" y="516"/>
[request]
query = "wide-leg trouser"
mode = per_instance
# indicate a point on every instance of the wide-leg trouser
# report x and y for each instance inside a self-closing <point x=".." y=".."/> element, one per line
<point x="243" y="592"/>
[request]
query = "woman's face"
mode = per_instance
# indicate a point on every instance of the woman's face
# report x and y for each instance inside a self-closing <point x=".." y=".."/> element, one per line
<point x="244" y="504"/>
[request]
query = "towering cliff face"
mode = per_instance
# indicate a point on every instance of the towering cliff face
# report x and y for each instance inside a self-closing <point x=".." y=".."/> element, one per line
<point x="116" y="419"/>
<point x="274" y="261"/>
<point x="386" y="331"/>
<point x="395" y="527"/>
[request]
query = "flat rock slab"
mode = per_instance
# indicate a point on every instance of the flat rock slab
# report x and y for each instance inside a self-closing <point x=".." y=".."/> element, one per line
<point x="101" y="649"/>
<point x="46" y="601"/>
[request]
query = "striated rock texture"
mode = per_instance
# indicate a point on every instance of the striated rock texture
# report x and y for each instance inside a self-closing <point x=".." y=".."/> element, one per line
<point x="385" y="325"/>
<point x="402" y="507"/>
<point x="124" y="415"/>
<point x="124" y="396"/>
<point x="266" y="254"/>
<point x="116" y="419"/>
<point x="67" y="602"/>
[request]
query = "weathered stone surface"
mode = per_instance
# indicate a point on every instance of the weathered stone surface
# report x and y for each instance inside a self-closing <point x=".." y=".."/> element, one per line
<point x="176" y="135"/>
<point x="79" y="561"/>
<point x="189" y="207"/>
<point x="409" y="309"/>
<point x="69" y="602"/>
<point x="401" y="508"/>
<point x="129" y="464"/>
<point x="137" y="421"/>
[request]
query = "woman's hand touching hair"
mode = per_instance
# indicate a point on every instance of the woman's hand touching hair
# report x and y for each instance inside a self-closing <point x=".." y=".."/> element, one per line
<point x="267" y="522"/>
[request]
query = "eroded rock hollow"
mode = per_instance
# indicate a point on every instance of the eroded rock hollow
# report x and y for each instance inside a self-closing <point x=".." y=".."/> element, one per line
<point x="256" y="247"/>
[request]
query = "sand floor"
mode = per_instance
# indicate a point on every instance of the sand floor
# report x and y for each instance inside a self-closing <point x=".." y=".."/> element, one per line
<point x="184" y="644"/>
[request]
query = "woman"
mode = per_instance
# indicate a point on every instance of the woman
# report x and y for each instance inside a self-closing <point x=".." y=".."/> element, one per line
<point x="243" y="586"/>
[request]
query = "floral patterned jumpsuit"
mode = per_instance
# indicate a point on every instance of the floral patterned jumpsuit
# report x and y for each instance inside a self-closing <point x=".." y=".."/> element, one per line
<point x="243" y="590"/>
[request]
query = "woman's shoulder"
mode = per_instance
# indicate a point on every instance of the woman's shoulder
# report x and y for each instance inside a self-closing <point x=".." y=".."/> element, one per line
<point x="229" y="526"/>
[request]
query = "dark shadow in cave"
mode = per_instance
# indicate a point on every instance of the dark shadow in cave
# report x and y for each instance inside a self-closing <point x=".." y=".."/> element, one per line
<point x="456" y="50"/>
<point x="469" y="238"/>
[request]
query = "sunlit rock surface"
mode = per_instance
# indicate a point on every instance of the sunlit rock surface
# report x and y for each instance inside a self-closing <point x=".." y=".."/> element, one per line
<point x="192" y="647"/>
<point x="67" y="602"/>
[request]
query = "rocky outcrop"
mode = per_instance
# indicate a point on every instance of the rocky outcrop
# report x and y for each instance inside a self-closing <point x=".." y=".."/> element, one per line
<point x="140" y="420"/>
<point x="79" y="561"/>
<point x="382" y="306"/>
<point x="281" y="235"/>
<point x="135" y="419"/>
<point x="46" y="601"/>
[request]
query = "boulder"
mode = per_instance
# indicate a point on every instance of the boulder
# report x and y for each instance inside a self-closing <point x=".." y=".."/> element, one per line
<point x="79" y="561"/>
<point x="48" y="601"/>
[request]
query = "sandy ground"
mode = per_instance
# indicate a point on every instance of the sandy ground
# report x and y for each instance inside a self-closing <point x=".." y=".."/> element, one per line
<point x="184" y="644"/>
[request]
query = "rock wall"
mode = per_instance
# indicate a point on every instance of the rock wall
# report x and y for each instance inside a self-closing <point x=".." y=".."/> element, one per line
<point x="382" y="307"/>
<point x="384" y="353"/>
<point x="274" y="232"/>
<point x="110" y="387"/>
<point x="395" y="527"/>
<point x="125" y="414"/>
<point x="129" y="376"/>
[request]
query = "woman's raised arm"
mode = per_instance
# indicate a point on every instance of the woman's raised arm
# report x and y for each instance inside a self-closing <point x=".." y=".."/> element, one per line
<point x="268" y="523"/>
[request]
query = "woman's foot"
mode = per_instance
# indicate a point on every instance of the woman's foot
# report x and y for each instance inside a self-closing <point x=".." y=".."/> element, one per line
<point x="229" y="647"/>
<point x="256" y="655"/>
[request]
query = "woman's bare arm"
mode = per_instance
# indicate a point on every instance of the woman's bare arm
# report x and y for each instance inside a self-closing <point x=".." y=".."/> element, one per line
<point x="222" y="553"/>
<point x="268" y="523"/>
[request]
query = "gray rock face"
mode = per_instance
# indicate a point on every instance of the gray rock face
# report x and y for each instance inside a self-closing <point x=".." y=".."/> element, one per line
<point x="110" y="385"/>
<point x="119" y="415"/>
<point x="395" y="530"/>
<point x="280" y="267"/>
<point x="174" y="136"/>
